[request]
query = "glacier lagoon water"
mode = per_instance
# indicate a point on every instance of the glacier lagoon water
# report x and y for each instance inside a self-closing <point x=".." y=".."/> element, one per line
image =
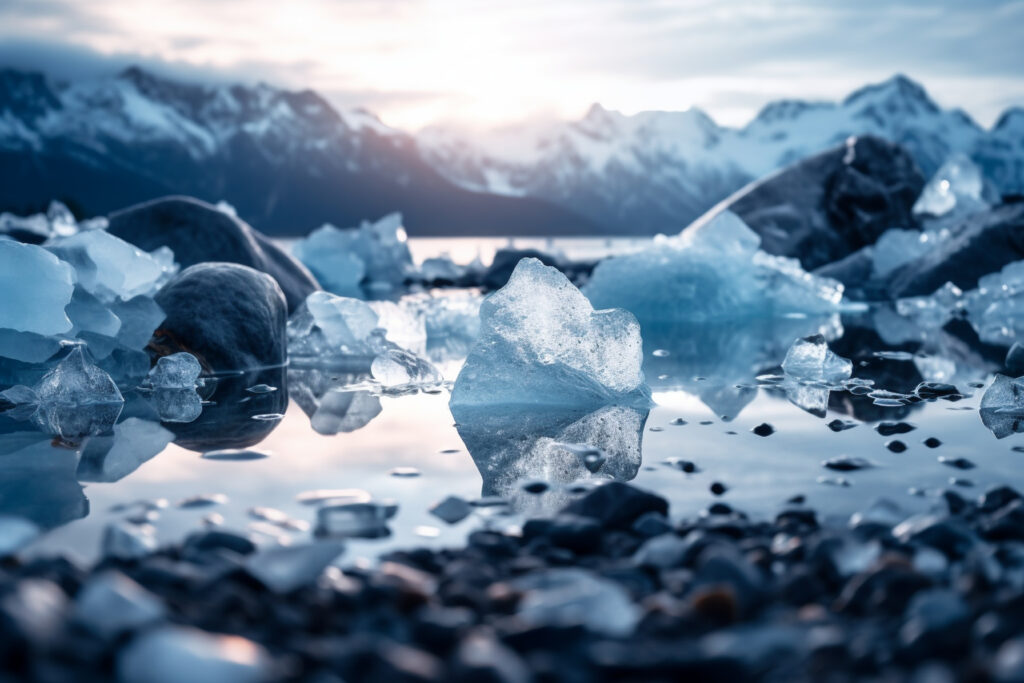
<point x="408" y="449"/>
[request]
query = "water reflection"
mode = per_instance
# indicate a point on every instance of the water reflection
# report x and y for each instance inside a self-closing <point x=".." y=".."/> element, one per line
<point x="38" y="477"/>
<point x="328" y="400"/>
<point x="511" y="447"/>
<point x="229" y="411"/>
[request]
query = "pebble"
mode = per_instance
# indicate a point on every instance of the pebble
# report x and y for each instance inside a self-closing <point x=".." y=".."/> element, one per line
<point x="958" y="463"/>
<point x="893" y="428"/>
<point x="763" y="429"/>
<point x="896" y="446"/>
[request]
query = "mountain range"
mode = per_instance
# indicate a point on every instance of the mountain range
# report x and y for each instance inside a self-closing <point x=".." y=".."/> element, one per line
<point x="289" y="161"/>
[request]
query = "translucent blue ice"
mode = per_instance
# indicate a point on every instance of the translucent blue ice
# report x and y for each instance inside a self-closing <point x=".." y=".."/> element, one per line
<point x="36" y="289"/>
<point x="542" y="343"/>
<point x="110" y="268"/>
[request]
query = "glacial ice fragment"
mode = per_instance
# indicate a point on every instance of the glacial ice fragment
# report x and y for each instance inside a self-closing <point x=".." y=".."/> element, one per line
<point x="898" y="247"/>
<point x="76" y="397"/>
<point x="810" y="360"/>
<point x="542" y="343"/>
<point x="128" y="541"/>
<point x="176" y="371"/>
<point x="715" y="272"/>
<point x="374" y="254"/>
<point x="286" y="569"/>
<point x="933" y="311"/>
<point x="109" y="267"/>
<point x="36" y="287"/>
<point x="956" y="188"/>
<point x="399" y="368"/>
<point x="996" y="308"/>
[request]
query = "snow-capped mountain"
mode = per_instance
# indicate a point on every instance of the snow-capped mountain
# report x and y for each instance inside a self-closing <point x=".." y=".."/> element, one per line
<point x="286" y="160"/>
<point x="656" y="171"/>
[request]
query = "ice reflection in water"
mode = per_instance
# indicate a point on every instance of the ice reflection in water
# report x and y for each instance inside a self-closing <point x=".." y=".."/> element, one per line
<point x="339" y="433"/>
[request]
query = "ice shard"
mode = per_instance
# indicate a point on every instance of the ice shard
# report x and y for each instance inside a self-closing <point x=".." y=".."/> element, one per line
<point x="542" y="343"/>
<point x="1002" y="406"/>
<point x="810" y="360"/>
<point x="957" y="188"/>
<point x="37" y="287"/>
<point x="996" y="308"/>
<point x="176" y="371"/>
<point x="108" y="267"/>
<point x="76" y="397"/>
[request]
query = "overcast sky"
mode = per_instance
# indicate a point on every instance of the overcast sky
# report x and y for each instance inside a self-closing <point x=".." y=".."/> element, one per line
<point x="416" y="62"/>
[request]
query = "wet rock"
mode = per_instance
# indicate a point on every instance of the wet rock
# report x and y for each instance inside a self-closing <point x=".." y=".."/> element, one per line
<point x="111" y="604"/>
<point x="838" y="425"/>
<point x="827" y="206"/>
<point x="932" y="442"/>
<point x="229" y="317"/>
<point x="896" y="446"/>
<point x="617" y="505"/>
<point x="451" y="510"/>
<point x="946" y="534"/>
<point x="288" y="568"/>
<point x="718" y="488"/>
<point x="997" y="497"/>
<point x="763" y="429"/>
<point x="957" y="463"/>
<point x="198" y="232"/>
<point x="894" y="428"/>
<point x="662" y="552"/>
<point x="846" y="463"/>
<point x="173" y="654"/>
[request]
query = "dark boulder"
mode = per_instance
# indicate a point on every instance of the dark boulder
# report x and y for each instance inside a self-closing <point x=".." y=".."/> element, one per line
<point x="983" y="243"/>
<point x="230" y="317"/>
<point x="830" y="205"/>
<point x="198" y="232"/>
<point x="506" y="260"/>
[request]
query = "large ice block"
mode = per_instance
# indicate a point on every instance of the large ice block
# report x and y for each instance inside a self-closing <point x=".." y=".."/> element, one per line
<point x="715" y="272"/>
<point x="1002" y="406"/>
<point x="374" y="255"/>
<point x="36" y="288"/>
<point x="76" y="397"/>
<point x="110" y="268"/>
<point x="996" y="308"/>
<point x="542" y="343"/>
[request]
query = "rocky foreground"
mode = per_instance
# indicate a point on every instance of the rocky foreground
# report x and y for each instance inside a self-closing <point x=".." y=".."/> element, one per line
<point x="610" y="589"/>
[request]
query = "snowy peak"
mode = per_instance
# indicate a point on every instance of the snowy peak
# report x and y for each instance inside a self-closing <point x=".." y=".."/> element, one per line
<point x="1010" y="121"/>
<point x="896" y="96"/>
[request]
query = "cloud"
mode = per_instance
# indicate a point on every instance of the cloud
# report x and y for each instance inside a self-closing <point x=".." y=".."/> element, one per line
<point x="416" y="61"/>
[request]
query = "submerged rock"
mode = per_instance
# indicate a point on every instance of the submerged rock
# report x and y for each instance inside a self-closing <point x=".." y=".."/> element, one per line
<point x="542" y="343"/>
<point x="198" y="232"/>
<point x="230" y="317"/>
<point x="830" y="205"/>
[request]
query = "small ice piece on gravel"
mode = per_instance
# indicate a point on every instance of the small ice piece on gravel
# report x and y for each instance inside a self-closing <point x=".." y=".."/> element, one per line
<point x="576" y="597"/>
<point x="110" y="604"/>
<point x="355" y="520"/>
<point x="286" y="569"/>
<point x="15" y="534"/>
<point x="36" y="287"/>
<point x="451" y="510"/>
<point x="810" y="360"/>
<point x="128" y="541"/>
<point x="176" y="371"/>
<point x="542" y="343"/>
<point x="178" y="654"/>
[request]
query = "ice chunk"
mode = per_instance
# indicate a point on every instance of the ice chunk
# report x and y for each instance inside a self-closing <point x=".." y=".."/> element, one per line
<point x="956" y="188"/>
<point x="576" y="597"/>
<point x="176" y="371"/>
<point x="140" y="317"/>
<point x="441" y="269"/>
<point x="401" y="368"/>
<point x="76" y="397"/>
<point x="111" y="604"/>
<point x="128" y="541"/>
<point x="1002" y="406"/>
<point x="896" y="248"/>
<point x="403" y="325"/>
<point x="713" y="273"/>
<point x="342" y="411"/>
<point x="934" y="311"/>
<point x="109" y="267"/>
<point x="175" y="654"/>
<point x="284" y="570"/>
<point x="996" y="308"/>
<point x="810" y="360"/>
<point x="36" y="288"/>
<point x="374" y="254"/>
<point x="355" y="520"/>
<point x="542" y="343"/>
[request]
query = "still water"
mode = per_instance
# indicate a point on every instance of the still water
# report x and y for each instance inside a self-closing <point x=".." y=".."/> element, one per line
<point x="708" y="401"/>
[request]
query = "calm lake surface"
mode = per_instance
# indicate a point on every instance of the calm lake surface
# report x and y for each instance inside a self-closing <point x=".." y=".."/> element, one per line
<point x="703" y="377"/>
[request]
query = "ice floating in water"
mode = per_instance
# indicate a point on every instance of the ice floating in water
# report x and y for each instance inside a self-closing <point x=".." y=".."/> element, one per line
<point x="76" y="397"/>
<point x="542" y="343"/>
<point x="996" y="308"/>
<point x="329" y="330"/>
<point x="810" y="360"/>
<point x="110" y="268"/>
<point x="1002" y="406"/>
<point x="933" y="311"/>
<point x="713" y="272"/>
<point x="176" y="371"/>
<point x="374" y="255"/>
<point x="956" y="188"/>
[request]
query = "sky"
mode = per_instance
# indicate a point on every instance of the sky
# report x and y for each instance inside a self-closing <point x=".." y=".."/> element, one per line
<point x="485" y="63"/>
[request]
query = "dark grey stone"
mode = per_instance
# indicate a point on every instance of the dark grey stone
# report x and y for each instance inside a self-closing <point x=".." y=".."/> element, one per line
<point x="228" y="316"/>
<point x="198" y="232"/>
